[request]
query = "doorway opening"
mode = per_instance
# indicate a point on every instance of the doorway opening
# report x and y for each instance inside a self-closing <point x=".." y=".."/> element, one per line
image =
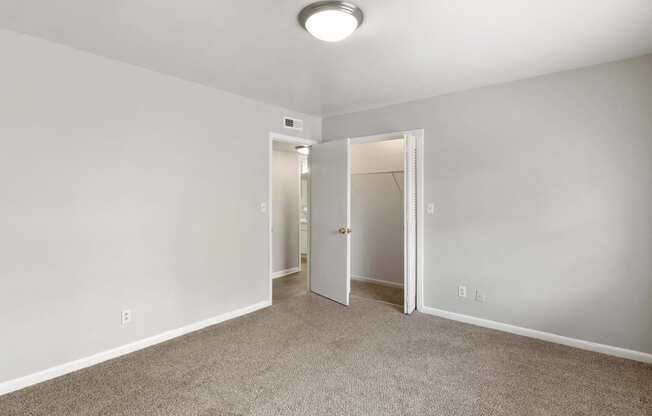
<point x="332" y="231"/>
<point x="289" y="216"/>
<point x="378" y="220"/>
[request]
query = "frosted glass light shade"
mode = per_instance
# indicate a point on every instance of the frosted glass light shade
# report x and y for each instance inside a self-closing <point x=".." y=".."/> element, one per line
<point x="331" y="21"/>
<point x="331" y="25"/>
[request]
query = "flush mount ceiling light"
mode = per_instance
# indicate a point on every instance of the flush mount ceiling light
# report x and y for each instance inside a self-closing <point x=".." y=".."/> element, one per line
<point x="303" y="150"/>
<point x="331" y="21"/>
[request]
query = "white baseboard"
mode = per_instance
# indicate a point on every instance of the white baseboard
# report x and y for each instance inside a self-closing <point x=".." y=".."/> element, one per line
<point x="376" y="281"/>
<point x="545" y="336"/>
<point x="50" y="373"/>
<point x="281" y="273"/>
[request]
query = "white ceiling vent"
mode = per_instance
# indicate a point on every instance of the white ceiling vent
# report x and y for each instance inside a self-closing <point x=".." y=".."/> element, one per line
<point x="292" y="123"/>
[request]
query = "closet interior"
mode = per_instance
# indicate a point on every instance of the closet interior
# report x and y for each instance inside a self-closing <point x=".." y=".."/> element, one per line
<point x="377" y="220"/>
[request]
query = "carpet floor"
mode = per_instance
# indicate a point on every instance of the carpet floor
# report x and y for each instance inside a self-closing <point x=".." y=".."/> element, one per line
<point x="287" y="287"/>
<point x="311" y="356"/>
<point x="296" y="284"/>
<point x="374" y="291"/>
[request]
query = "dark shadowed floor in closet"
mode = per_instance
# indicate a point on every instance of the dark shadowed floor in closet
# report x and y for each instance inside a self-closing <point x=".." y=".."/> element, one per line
<point x="296" y="284"/>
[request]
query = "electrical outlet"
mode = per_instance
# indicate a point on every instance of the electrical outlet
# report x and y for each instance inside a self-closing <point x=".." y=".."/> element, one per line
<point x="461" y="291"/>
<point x="263" y="207"/>
<point x="479" y="296"/>
<point x="430" y="208"/>
<point x="126" y="317"/>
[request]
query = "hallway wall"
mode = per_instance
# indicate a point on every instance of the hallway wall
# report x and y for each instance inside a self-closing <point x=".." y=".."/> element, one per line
<point x="286" y="194"/>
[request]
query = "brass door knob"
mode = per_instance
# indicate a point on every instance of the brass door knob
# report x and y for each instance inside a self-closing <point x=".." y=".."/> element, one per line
<point x="344" y="230"/>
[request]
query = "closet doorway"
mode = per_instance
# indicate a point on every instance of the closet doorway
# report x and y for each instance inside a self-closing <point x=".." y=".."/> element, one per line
<point x="378" y="220"/>
<point x="333" y="230"/>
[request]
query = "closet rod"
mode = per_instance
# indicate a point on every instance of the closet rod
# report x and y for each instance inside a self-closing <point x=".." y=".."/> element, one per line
<point x="379" y="173"/>
<point x="389" y="172"/>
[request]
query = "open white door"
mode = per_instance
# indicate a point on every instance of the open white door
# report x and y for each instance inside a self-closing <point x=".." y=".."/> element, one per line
<point x="330" y="206"/>
<point x="410" y="226"/>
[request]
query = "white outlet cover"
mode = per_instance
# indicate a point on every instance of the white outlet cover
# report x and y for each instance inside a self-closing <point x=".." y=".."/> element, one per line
<point x="431" y="208"/>
<point x="126" y="316"/>
<point x="479" y="296"/>
<point x="461" y="291"/>
<point x="263" y="207"/>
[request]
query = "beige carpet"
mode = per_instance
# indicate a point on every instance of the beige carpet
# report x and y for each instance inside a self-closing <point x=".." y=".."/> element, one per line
<point x="377" y="292"/>
<point x="287" y="287"/>
<point x="310" y="356"/>
<point x="296" y="284"/>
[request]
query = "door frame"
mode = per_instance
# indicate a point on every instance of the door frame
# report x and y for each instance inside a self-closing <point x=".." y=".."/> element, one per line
<point x="418" y="134"/>
<point x="278" y="137"/>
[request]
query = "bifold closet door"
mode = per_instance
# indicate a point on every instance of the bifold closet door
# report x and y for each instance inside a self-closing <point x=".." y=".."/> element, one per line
<point x="330" y="246"/>
<point x="410" y="225"/>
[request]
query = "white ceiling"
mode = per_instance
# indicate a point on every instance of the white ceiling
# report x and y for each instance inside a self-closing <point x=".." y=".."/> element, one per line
<point x="406" y="49"/>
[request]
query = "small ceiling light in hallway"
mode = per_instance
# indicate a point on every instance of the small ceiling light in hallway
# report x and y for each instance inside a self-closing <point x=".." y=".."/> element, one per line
<point x="331" y="21"/>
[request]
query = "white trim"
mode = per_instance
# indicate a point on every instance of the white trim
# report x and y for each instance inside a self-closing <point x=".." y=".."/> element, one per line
<point x="60" y="370"/>
<point x="285" y="139"/>
<point x="348" y="221"/>
<point x="376" y="281"/>
<point x="545" y="336"/>
<point x="281" y="273"/>
<point x="291" y="139"/>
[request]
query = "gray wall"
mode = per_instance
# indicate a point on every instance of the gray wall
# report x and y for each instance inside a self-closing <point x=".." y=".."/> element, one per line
<point x="122" y="188"/>
<point x="377" y="224"/>
<point x="543" y="199"/>
<point x="286" y="194"/>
